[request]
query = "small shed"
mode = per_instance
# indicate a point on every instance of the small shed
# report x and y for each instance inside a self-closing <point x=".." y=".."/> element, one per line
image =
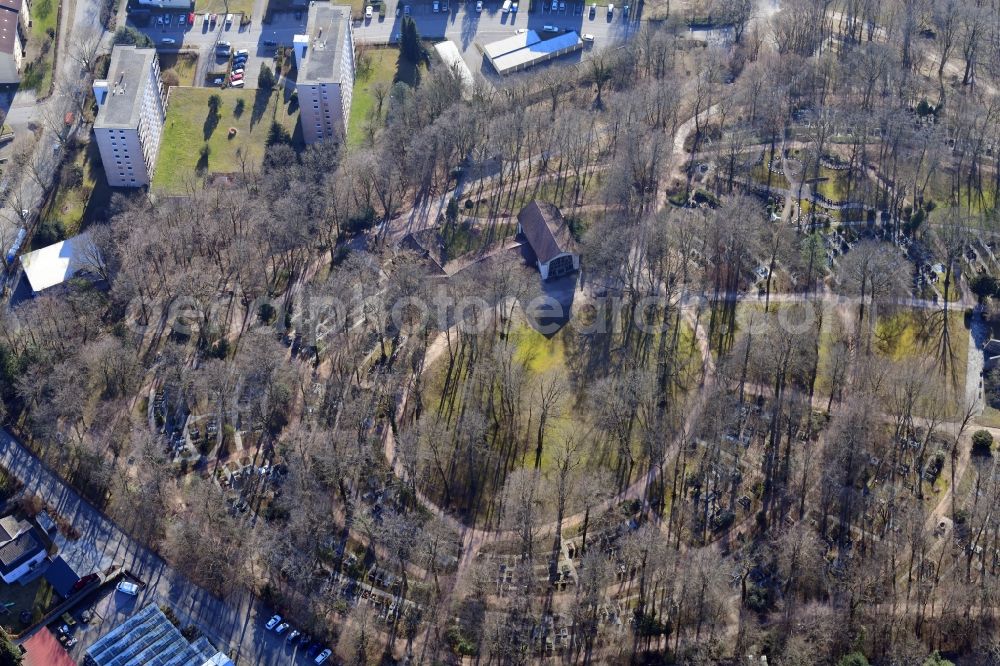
<point x="549" y="237"/>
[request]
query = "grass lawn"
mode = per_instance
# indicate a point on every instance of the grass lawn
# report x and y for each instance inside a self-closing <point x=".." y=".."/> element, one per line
<point x="834" y="187"/>
<point x="37" y="74"/>
<point x="224" y="7"/>
<point x="380" y="68"/>
<point x="182" y="65"/>
<point x="35" y="597"/>
<point x="917" y="334"/>
<point x="78" y="202"/>
<point x="759" y="174"/>
<point x="375" y="66"/>
<point x="462" y="238"/>
<point x="989" y="418"/>
<point x="182" y="164"/>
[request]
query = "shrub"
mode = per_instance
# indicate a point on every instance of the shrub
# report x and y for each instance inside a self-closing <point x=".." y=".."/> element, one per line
<point x="267" y="313"/>
<point x="853" y="659"/>
<point x="170" y="79"/>
<point x="265" y="80"/>
<point x="49" y="231"/>
<point x="982" y="443"/>
<point x="128" y="36"/>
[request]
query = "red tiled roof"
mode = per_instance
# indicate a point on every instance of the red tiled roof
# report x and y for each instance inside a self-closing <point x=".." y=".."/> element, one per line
<point x="44" y="650"/>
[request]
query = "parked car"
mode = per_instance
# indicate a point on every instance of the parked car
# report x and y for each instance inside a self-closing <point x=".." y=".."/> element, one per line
<point x="549" y="28"/>
<point x="436" y="6"/>
<point x="555" y="5"/>
<point x="369" y="11"/>
<point x="128" y="587"/>
<point x="159" y="20"/>
<point x="406" y="10"/>
<point x="587" y="37"/>
<point x="513" y="8"/>
<point x="593" y="9"/>
<point x="611" y="10"/>
<point x="242" y="53"/>
<point x="168" y="40"/>
<point x="273" y="622"/>
<point x="324" y="655"/>
<point x="506" y="6"/>
<point x="479" y="5"/>
<point x="236" y="84"/>
<point x="281" y="628"/>
<point x="182" y="20"/>
<point x="242" y="506"/>
<point x="562" y="5"/>
<point x="204" y="20"/>
<point x="292" y="635"/>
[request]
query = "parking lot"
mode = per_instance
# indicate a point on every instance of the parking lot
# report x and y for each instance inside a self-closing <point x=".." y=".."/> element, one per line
<point x="462" y="23"/>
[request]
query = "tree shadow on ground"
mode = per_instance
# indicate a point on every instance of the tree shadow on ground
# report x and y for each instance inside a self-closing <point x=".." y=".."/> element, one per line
<point x="260" y="101"/>
<point x="211" y="122"/>
<point x="407" y="72"/>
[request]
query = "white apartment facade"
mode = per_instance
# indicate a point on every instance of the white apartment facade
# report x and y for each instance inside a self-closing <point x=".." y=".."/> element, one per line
<point x="130" y="116"/>
<point x="324" y="57"/>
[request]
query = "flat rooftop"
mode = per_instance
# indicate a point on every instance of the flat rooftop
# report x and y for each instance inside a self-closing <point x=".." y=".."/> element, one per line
<point x="126" y="81"/>
<point x="538" y="52"/>
<point x="507" y="45"/>
<point x="326" y="30"/>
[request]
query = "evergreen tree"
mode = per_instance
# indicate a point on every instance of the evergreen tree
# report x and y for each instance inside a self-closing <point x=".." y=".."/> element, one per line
<point x="409" y="42"/>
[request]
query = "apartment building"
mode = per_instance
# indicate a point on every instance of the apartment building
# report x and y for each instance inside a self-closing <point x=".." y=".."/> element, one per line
<point x="130" y="116"/>
<point x="14" y="21"/>
<point x="324" y="57"/>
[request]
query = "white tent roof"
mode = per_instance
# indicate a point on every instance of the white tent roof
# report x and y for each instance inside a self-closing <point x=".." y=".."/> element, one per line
<point x="55" y="264"/>
<point x="451" y="57"/>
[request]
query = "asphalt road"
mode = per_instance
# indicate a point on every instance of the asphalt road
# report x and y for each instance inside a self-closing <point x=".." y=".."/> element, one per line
<point x="235" y="625"/>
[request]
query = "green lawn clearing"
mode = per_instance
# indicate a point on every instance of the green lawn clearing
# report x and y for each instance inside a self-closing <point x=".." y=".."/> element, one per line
<point x="834" y="184"/>
<point x="223" y="7"/>
<point x="919" y="334"/>
<point x="180" y="65"/>
<point x="194" y="146"/>
<point x="41" y="47"/>
<point x="82" y="193"/>
<point x="375" y="66"/>
<point x="34" y="597"/>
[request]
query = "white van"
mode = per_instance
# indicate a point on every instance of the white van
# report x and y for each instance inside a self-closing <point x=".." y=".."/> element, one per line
<point x="506" y="6"/>
<point x="238" y="83"/>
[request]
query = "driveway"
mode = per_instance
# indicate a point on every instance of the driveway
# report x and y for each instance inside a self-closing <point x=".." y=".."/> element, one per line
<point x="234" y="625"/>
